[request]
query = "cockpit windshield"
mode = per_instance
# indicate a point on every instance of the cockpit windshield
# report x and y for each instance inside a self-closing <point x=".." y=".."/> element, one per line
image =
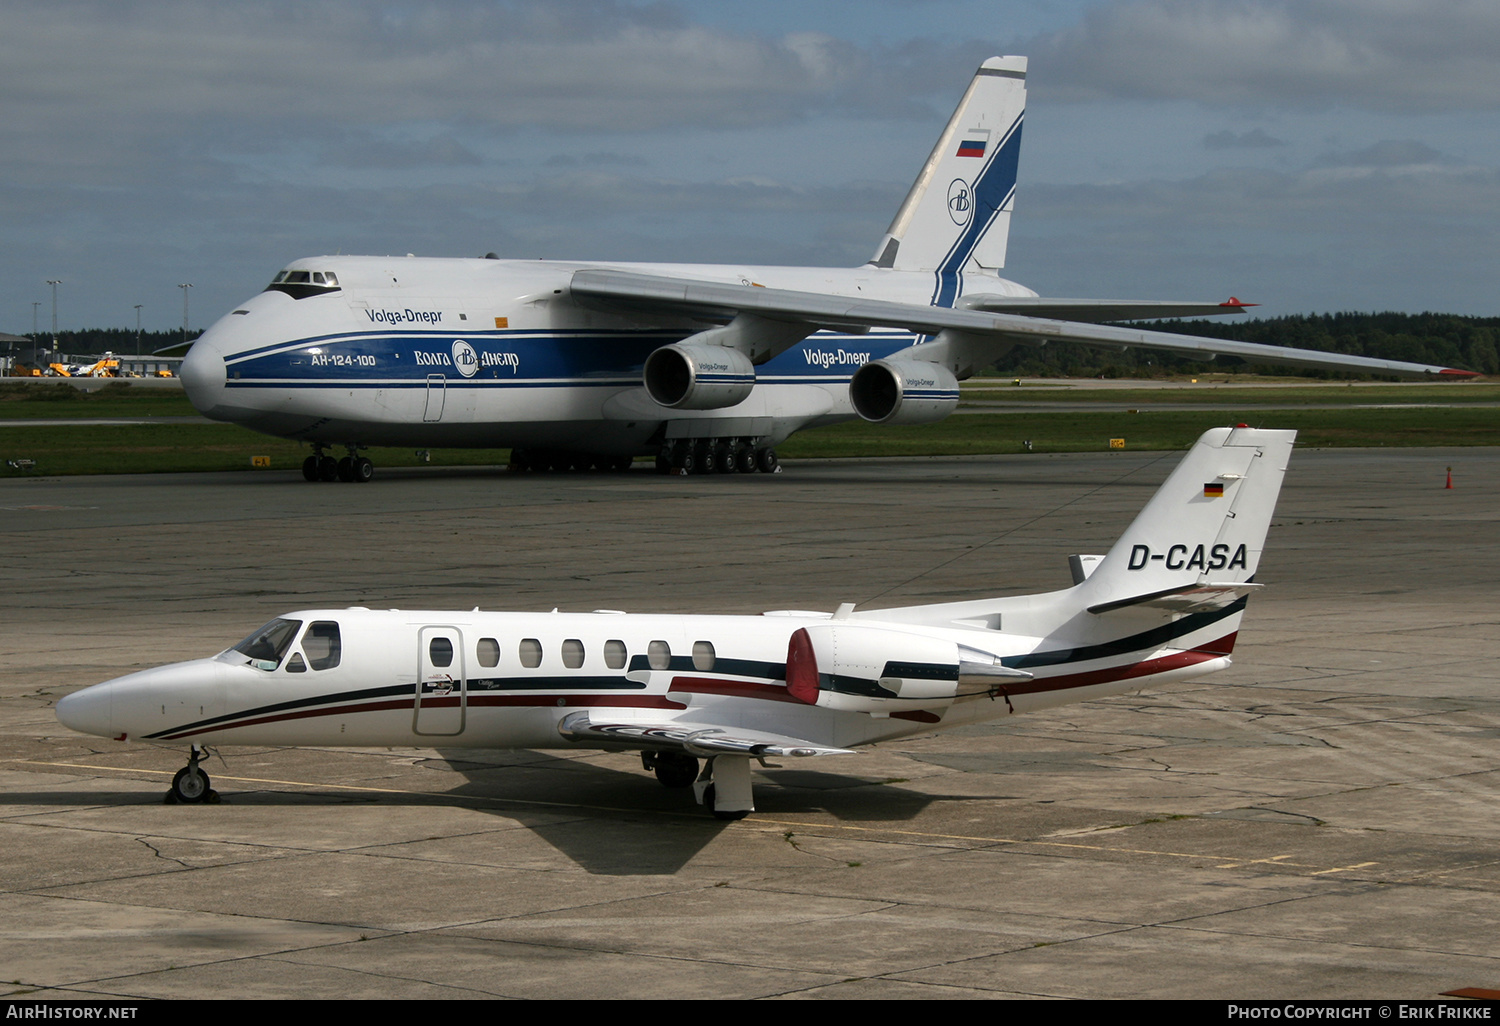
<point x="270" y="643"/>
<point x="301" y="284"/>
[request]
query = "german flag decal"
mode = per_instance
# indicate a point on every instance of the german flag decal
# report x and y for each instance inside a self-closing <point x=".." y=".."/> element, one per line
<point x="1213" y="490"/>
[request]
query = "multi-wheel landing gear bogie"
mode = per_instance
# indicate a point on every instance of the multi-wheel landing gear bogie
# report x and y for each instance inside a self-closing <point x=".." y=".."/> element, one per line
<point x="353" y="467"/>
<point x="715" y="456"/>
<point x="545" y="460"/>
<point x="191" y="785"/>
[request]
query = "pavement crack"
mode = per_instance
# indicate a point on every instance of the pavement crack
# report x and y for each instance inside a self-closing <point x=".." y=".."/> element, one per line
<point x="157" y="852"/>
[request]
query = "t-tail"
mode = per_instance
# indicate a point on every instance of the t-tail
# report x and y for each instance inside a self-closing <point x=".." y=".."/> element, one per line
<point x="957" y="214"/>
<point x="1198" y="542"/>
<point x="1164" y="602"/>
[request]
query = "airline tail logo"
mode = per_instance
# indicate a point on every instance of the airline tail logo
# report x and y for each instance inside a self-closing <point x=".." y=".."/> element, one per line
<point x="960" y="202"/>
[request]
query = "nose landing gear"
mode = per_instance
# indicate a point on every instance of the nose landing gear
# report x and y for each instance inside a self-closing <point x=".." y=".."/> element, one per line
<point x="191" y="785"/>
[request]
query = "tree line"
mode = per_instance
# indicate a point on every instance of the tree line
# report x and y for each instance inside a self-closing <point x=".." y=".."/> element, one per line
<point x="1444" y="339"/>
<point x="1447" y="340"/>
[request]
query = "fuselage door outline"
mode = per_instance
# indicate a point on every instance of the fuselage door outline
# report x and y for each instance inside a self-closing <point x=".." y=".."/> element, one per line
<point x="441" y="704"/>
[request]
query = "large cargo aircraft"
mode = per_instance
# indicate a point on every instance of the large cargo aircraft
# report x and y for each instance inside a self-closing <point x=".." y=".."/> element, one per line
<point x="1165" y="602"/>
<point x="707" y="367"/>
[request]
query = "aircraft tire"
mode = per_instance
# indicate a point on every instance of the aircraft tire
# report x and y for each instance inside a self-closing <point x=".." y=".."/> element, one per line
<point x="328" y="469"/>
<point x="310" y="469"/>
<point x="724" y="814"/>
<point x="687" y="461"/>
<point x="190" y="786"/>
<point x="346" y="469"/>
<point x="363" y="470"/>
<point x="724" y="458"/>
<point x="744" y="460"/>
<point x="675" y="770"/>
<point x="766" y="460"/>
<point x="620" y="464"/>
<point x="705" y="454"/>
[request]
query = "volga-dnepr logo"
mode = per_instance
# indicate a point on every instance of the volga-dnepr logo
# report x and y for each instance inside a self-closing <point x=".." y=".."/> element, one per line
<point x="465" y="359"/>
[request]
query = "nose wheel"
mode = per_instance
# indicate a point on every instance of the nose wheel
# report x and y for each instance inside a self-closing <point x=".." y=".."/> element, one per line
<point x="191" y="785"/>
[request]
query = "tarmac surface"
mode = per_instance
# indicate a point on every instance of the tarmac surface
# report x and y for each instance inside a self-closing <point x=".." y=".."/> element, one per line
<point x="1319" y="821"/>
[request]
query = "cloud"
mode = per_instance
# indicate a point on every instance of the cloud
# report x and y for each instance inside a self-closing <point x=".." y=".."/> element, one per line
<point x="1255" y="139"/>
<point x="1408" y="56"/>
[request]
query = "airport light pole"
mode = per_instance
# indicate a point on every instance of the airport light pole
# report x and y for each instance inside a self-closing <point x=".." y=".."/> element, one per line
<point x="138" y="328"/>
<point x="54" y="282"/>
<point x="184" y="287"/>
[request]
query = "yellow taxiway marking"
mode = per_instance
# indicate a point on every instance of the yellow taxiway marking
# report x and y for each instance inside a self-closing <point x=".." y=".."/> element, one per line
<point x="760" y="823"/>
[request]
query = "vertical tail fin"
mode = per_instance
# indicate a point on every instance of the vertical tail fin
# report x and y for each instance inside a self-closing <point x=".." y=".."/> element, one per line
<point x="1204" y="529"/>
<point x="958" y="210"/>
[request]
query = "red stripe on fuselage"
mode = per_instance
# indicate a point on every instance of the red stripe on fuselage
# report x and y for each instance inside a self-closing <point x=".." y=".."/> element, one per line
<point x="554" y="701"/>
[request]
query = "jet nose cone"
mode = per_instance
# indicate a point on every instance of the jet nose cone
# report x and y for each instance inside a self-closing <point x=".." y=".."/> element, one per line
<point x="89" y="711"/>
<point x="203" y="375"/>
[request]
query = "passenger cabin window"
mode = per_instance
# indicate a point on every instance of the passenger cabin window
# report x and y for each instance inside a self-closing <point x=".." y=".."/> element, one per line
<point x="488" y="652"/>
<point x="572" y="653"/>
<point x="659" y="655"/>
<point x="703" y="656"/>
<point x="440" y="651"/>
<point x="266" y="646"/>
<point x="322" y="645"/>
<point x="531" y="653"/>
<point x="615" y="655"/>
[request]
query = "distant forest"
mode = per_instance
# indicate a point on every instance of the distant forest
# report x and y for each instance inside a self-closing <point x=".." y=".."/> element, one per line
<point x="1443" y="339"/>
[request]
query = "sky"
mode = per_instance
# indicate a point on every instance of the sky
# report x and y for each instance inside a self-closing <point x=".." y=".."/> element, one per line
<point x="1308" y="155"/>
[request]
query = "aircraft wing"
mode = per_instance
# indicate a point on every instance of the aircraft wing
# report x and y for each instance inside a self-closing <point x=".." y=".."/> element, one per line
<point x="698" y="739"/>
<point x="967" y="338"/>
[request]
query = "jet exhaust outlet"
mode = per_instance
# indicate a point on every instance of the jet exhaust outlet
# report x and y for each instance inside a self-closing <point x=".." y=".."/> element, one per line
<point x="698" y="377"/>
<point x="903" y="392"/>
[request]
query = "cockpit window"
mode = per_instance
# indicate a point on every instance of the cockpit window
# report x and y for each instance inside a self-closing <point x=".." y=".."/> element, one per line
<point x="321" y="643"/>
<point x="270" y="643"/>
<point x="301" y="284"/>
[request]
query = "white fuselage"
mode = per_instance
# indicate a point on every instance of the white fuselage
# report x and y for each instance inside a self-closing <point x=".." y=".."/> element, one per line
<point x="497" y="353"/>
<point x="509" y="678"/>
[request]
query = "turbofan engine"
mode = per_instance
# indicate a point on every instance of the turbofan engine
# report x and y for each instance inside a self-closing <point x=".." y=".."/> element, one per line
<point x="903" y="392"/>
<point x="685" y="376"/>
<point x="875" y="668"/>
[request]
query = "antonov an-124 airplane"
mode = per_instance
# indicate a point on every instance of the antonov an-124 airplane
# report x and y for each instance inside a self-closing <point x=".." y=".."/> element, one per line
<point x="707" y="367"/>
<point x="1164" y="603"/>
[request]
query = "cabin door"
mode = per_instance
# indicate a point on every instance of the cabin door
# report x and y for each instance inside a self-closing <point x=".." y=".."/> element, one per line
<point x="441" y="704"/>
<point x="437" y="394"/>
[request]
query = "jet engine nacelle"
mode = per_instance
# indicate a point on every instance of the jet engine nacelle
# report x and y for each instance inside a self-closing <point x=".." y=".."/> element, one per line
<point x="859" y="667"/>
<point x="903" y="392"/>
<point x="685" y="376"/>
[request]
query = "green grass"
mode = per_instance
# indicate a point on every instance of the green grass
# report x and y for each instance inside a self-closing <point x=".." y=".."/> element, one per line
<point x="1216" y="393"/>
<point x="149" y="448"/>
<point x="117" y="399"/>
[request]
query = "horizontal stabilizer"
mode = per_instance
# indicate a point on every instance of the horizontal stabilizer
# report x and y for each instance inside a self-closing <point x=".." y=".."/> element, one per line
<point x="1188" y="598"/>
<point x="699" y="739"/>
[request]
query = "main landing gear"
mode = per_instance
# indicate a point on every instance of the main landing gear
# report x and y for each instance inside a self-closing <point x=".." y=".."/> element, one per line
<point x="715" y="456"/>
<point x="353" y="467"/>
<point x="723" y="787"/>
<point x="191" y="785"/>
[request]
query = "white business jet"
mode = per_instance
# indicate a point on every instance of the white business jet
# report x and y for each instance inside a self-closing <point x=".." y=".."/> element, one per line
<point x="1164" y="603"/>
<point x="707" y="367"/>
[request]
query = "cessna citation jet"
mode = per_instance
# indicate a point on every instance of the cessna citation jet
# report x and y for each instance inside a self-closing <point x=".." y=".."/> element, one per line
<point x="1164" y="603"/>
<point x="707" y="367"/>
